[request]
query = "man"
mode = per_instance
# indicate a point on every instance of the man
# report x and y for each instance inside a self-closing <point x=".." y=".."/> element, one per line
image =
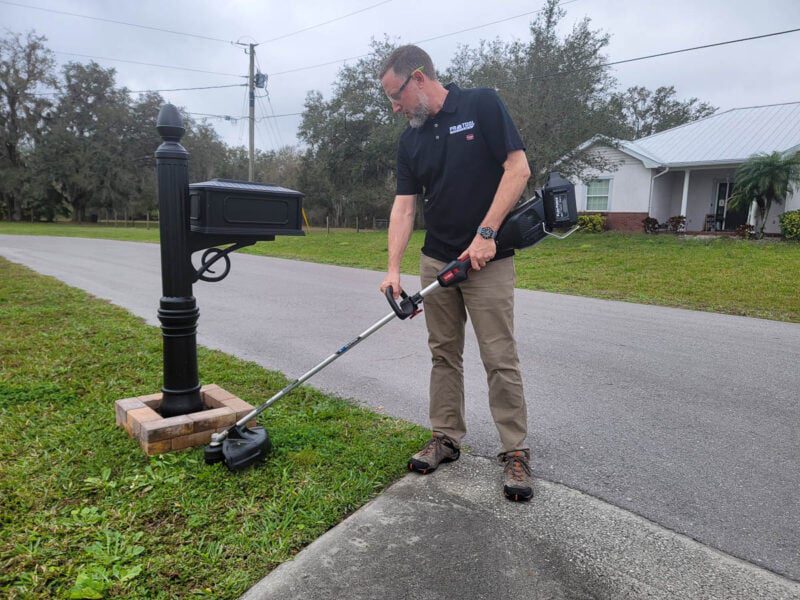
<point x="463" y="153"/>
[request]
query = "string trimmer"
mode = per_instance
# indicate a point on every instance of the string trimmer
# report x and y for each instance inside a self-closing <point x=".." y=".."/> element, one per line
<point x="241" y="446"/>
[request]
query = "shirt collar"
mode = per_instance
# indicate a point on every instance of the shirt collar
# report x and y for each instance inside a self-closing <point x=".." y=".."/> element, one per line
<point x="451" y="101"/>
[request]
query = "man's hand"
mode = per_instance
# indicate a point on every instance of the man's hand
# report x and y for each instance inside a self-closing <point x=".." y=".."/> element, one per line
<point x="480" y="252"/>
<point x="392" y="279"/>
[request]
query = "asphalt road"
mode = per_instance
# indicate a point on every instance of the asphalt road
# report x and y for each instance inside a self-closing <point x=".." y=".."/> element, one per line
<point x="688" y="419"/>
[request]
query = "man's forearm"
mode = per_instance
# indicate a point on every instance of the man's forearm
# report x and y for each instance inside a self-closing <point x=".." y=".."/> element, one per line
<point x="512" y="184"/>
<point x="401" y="224"/>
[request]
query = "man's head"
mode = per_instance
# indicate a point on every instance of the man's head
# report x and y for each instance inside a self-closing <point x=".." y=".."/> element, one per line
<point x="409" y="79"/>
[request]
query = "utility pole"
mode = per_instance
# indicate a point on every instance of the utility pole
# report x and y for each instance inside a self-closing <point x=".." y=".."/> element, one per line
<point x="251" y="88"/>
<point x="253" y="81"/>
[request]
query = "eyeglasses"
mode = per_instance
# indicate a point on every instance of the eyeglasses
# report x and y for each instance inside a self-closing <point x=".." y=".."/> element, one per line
<point x="399" y="92"/>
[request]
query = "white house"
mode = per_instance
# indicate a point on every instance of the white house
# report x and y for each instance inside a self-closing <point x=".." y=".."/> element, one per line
<point x="689" y="170"/>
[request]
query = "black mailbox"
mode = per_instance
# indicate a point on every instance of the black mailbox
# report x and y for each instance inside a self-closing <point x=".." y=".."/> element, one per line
<point x="244" y="209"/>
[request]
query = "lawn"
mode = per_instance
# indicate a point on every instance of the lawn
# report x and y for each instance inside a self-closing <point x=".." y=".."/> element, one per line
<point x="85" y="514"/>
<point x="757" y="279"/>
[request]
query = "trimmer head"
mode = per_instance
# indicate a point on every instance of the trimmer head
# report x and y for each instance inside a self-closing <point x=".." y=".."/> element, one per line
<point x="213" y="454"/>
<point x="243" y="447"/>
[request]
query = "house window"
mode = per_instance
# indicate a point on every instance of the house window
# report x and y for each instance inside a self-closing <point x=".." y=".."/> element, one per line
<point x="597" y="194"/>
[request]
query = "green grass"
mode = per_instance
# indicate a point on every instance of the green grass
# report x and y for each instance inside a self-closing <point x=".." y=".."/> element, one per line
<point x="84" y="513"/>
<point x="133" y="234"/>
<point x="758" y="279"/>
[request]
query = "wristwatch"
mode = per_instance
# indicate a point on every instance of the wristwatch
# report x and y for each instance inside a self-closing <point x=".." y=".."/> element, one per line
<point x="487" y="233"/>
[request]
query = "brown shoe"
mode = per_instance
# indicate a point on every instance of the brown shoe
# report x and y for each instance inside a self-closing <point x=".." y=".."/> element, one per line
<point x="517" y="480"/>
<point x="439" y="449"/>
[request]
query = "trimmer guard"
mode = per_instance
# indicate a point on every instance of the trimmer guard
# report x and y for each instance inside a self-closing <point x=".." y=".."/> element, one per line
<point x="245" y="446"/>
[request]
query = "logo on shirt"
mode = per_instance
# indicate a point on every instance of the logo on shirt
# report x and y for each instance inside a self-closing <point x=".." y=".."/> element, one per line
<point x="470" y="137"/>
<point x="463" y="127"/>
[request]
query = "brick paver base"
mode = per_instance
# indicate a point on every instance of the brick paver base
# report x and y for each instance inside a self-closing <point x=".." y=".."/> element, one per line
<point x="157" y="435"/>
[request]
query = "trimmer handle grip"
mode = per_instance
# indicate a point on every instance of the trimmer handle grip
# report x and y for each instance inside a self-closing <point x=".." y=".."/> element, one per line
<point x="454" y="273"/>
<point x="408" y="307"/>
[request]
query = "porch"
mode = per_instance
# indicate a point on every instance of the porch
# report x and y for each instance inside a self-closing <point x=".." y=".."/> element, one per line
<point x="700" y="195"/>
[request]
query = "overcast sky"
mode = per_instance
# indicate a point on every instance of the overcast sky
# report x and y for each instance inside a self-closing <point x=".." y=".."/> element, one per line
<point x="757" y="72"/>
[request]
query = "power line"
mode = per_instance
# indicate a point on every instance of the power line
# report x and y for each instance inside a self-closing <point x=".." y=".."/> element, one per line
<point x="270" y="123"/>
<point x="245" y="117"/>
<point x="281" y="116"/>
<point x="71" y="14"/>
<point x="627" y="60"/>
<point x="559" y="73"/>
<point x="269" y="118"/>
<point x="273" y="122"/>
<point x="532" y="78"/>
<point x="525" y="14"/>
<point x="669" y="52"/>
<point x="207" y="87"/>
<point x="136" y="62"/>
<point x="341" y="60"/>
<point x="268" y="136"/>
<point x="325" y="64"/>
<point x="257" y="98"/>
<point x="212" y="116"/>
<point x="280" y="37"/>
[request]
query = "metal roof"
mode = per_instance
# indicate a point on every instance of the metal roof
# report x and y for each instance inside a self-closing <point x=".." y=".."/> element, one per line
<point x="728" y="137"/>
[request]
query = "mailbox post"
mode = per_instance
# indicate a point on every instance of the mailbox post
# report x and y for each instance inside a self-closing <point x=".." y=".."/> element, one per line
<point x="178" y="309"/>
<point x="213" y="213"/>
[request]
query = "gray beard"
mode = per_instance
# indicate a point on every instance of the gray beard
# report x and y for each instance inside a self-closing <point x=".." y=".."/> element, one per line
<point x="420" y="114"/>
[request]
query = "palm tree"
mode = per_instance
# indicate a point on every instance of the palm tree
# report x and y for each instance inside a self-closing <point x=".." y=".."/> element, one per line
<point x="764" y="179"/>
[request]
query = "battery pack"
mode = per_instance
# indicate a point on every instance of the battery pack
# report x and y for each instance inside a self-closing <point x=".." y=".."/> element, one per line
<point x="559" y="202"/>
<point x="523" y="227"/>
<point x="531" y="221"/>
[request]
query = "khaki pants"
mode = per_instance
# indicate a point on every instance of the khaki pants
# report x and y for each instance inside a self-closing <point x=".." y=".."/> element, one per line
<point x="488" y="297"/>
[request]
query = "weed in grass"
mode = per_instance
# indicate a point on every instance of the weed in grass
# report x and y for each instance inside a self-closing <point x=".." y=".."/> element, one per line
<point x="88" y="516"/>
<point x="113" y="548"/>
<point x="101" y="483"/>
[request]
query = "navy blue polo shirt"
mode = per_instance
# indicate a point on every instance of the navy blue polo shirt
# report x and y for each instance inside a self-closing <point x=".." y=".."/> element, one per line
<point x="455" y="160"/>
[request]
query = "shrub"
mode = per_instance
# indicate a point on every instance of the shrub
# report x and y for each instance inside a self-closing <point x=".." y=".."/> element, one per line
<point x="790" y="224"/>
<point x="592" y="223"/>
<point x="677" y="223"/>
<point x="745" y="231"/>
<point x="650" y="225"/>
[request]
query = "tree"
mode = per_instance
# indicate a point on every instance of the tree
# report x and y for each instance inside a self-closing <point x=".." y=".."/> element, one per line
<point x="557" y="90"/>
<point x="236" y="163"/>
<point x="140" y="140"/>
<point x="645" y="112"/>
<point x="26" y="67"/>
<point x="352" y="139"/>
<point x="85" y="147"/>
<point x="765" y="179"/>
<point x="208" y="153"/>
<point x="281" y="167"/>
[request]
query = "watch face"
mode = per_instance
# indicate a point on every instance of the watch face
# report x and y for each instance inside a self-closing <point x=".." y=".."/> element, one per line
<point x="486" y="233"/>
